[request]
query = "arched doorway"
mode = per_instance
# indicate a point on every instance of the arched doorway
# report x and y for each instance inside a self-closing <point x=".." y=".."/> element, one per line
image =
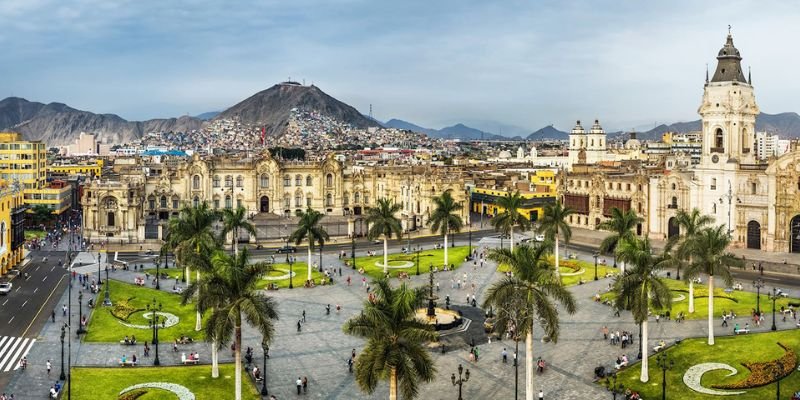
<point x="673" y="229"/>
<point x="753" y="235"/>
<point x="111" y="221"/>
<point x="264" y="204"/>
<point x="794" y="241"/>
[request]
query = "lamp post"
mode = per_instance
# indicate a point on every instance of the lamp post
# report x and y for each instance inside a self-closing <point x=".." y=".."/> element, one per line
<point x="99" y="277"/>
<point x="80" y="314"/>
<point x="290" y="261"/>
<point x="154" y="324"/>
<point x="469" y="233"/>
<point x="265" y="347"/>
<point x="460" y="381"/>
<point x="107" y="299"/>
<point x="774" y="297"/>
<point x="418" y="247"/>
<point x="595" y="255"/>
<point x="353" y="248"/>
<point x="320" y="257"/>
<point x="63" y="375"/>
<point x="665" y="363"/>
<point x="614" y="387"/>
<point x="728" y="196"/>
<point x="777" y="374"/>
<point x="758" y="284"/>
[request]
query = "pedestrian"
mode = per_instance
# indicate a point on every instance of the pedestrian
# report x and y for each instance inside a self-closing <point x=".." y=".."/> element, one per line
<point x="605" y="332"/>
<point x="299" y="325"/>
<point x="350" y="365"/>
<point x="305" y="384"/>
<point x="541" y="394"/>
<point x="64" y="310"/>
<point x="328" y="309"/>
<point x="338" y="308"/>
<point x="657" y="317"/>
<point x="353" y="354"/>
<point x="49" y="366"/>
<point x="504" y="353"/>
<point x="54" y="316"/>
<point x="304" y="315"/>
<point x="515" y="358"/>
<point x="299" y="383"/>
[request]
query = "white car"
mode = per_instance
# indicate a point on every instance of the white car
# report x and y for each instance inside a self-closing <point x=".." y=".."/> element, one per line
<point x="5" y="287"/>
<point x="539" y="238"/>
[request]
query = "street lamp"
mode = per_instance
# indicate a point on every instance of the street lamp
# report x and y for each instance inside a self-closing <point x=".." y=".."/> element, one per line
<point x="614" y="387"/>
<point x="353" y="248"/>
<point x="80" y="314"/>
<point x="469" y="232"/>
<point x="460" y="381"/>
<point x="758" y="284"/>
<point x="774" y="297"/>
<point x="63" y="375"/>
<point x="418" y="247"/>
<point x="320" y="256"/>
<point x="665" y="363"/>
<point x="777" y="374"/>
<point x="265" y="347"/>
<point x="107" y="300"/>
<point x="290" y="261"/>
<point x="595" y="255"/>
<point x="154" y="324"/>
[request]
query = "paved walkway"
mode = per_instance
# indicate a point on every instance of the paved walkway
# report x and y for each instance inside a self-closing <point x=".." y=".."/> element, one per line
<point x="321" y="349"/>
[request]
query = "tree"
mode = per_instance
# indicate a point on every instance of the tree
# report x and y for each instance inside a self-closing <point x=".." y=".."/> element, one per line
<point x="554" y="224"/>
<point x="621" y="225"/>
<point x="534" y="281"/>
<point x="191" y="234"/>
<point x="513" y="312"/>
<point x="309" y="227"/>
<point x="690" y="224"/>
<point x="230" y="292"/>
<point x="395" y="347"/>
<point x="510" y="217"/>
<point x="708" y="250"/>
<point x="382" y="222"/>
<point x="640" y="288"/>
<point x="232" y="222"/>
<point x="42" y="214"/>
<point x="444" y="218"/>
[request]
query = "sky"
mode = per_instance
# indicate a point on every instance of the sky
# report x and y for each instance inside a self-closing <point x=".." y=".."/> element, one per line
<point x="495" y="65"/>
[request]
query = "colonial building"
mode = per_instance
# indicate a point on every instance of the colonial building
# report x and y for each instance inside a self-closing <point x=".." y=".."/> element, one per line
<point x="134" y="205"/>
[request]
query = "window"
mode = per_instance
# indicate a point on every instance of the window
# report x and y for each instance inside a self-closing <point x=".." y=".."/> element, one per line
<point x="713" y="183"/>
<point x="619" y="186"/>
<point x="287" y="181"/>
<point x="286" y="201"/>
<point x="308" y="201"/>
<point x="238" y="203"/>
<point x="151" y="202"/>
<point x="329" y="200"/>
<point x="239" y="181"/>
<point x="228" y="181"/>
<point x="163" y="201"/>
<point x="309" y="180"/>
<point x="196" y="182"/>
<point x="175" y="203"/>
<point x="628" y="187"/>
<point x="264" y="181"/>
<point x="228" y="202"/>
<point x="298" y="180"/>
<point x="111" y="218"/>
<point x="298" y="200"/>
<point x="196" y="201"/>
<point x="329" y="180"/>
<point x="366" y="198"/>
<point x="674" y="202"/>
<point x="714" y="208"/>
<point x="719" y="140"/>
<point x="215" y="181"/>
<point x="216" y="204"/>
<point x="674" y="186"/>
<point x="753" y="188"/>
<point x="639" y="207"/>
<point x="346" y="199"/>
<point x="357" y="198"/>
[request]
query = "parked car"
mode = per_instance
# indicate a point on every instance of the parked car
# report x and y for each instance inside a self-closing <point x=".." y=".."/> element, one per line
<point x="5" y="287"/>
<point x="488" y="325"/>
<point x="286" y="249"/>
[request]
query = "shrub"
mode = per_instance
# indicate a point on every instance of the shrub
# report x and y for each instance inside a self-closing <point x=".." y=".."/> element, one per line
<point x="764" y="373"/>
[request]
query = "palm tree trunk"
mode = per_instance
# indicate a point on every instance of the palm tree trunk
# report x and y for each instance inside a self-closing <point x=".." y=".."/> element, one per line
<point x="529" y="364"/>
<point x="393" y="384"/>
<point x="385" y="255"/>
<point x="199" y="324"/>
<point x="445" y="249"/>
<point x="691" y="297"/>
<point x="511" y="237"/>
<point x="644" y="376"/>
<point x="187" y="275"/>
<point x="237" y="340"/>
<point x="556" y="256"/>
<point x="711" y="309"/>
<point x="309" y="260"/>
<point x="516" y="367"/>
<point x="622" y="267"/>
<point x="214" y="359"/>
<point x="236" y="242"/>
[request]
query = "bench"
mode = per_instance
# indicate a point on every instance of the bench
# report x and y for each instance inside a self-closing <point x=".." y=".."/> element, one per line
<point x="743" y="330"/>
<point x="128" y="343"/>
<point x="185" y="360"/>
<point x="127" y="363"/>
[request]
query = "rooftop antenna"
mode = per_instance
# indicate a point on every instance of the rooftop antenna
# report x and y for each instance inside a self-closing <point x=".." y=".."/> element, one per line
<point x="729" y="29"/>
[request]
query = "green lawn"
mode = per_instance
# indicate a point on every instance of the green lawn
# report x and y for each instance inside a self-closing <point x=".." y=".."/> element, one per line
<point x="105" y="327"/>
<point x="34" y="234"/>
<point x="732" y="350"/>
<point x="573" y="266"/>
<point x="740" y="302"/>
<point x="455" y="255"/>
<point x="301" y="273"/>
<point x="106" y="383"/>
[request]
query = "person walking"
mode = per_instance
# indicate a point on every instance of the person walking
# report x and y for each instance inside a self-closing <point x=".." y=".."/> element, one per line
<point x="64" y="310"/>
<point x="54" y="316"/>
<point x="49" y="366"/>
<point x="304" y="315"/>
<point x="305" y="385"/>
<point x="299" y="384"/>
<point x="504" y="354"/>
<point x="605" y="332"/>
<point x="299" y="325"/>
<point x="541" y="394"/>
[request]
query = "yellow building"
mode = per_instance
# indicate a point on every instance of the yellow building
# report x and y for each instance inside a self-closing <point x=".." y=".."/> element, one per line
<point x="91" y="170"/>
<point x="542" y="190"/>
<point x="26" y="161"/>
<point x="12" y="232"/>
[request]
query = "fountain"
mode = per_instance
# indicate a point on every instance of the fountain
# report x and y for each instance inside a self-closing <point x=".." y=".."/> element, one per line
<point x="440" y="318"/>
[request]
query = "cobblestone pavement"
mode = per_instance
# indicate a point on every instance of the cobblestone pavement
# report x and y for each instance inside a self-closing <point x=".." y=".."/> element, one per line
<point x="321" y="349"/>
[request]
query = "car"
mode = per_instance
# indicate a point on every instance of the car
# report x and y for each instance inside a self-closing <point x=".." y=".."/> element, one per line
<point x="286" y="249"/>
<point x="488" y="325"/>
<point x="12" y="273"/>
<point x="377" y="241"/>
<point x="5" y="287"/>
<point x="539" y="238"/>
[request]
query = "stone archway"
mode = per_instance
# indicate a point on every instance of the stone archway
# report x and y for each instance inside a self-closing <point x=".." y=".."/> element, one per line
<point x="673" y="229"/>
<point x="754" y="235"/>
<point x="794" y="239"/>
<point x="264" y="204"/>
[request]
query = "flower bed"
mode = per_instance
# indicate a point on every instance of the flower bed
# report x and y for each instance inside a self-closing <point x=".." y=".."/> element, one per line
<point x="133" y="395"/>
<point x="181" y="391"/>
<point x="765" y="373"/>
<point x="123" y="309"/>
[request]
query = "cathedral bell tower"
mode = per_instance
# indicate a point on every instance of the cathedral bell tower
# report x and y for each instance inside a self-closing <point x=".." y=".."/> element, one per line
<point x="728" y="113"/>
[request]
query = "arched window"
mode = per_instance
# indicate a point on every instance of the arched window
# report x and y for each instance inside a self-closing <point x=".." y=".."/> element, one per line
<point x="151" y="202"/>
<point x="745" y="144"/>
<point x="163" y="201"/>
<point x="674" y="202"/>
<point x="298" y="180"/>
<point x="196" y="201"/>
<point x="366" y="198"/>
<point x="238" y="203"/>
<point x="239" y="181"/>
<point x="674" y="186"/>
<point x="287" y="202"/>
<point x="329" y="200"/>
<point x="329" y="180"/>
<point x="309" y="181"/>
<point x="754" y="187"/>
<point x="3" y="234"/>
<point x="111" y="221"/>
<point x="298" y="200"/>
<point x="228" y="181"/>
<point x="196" y="182"/>
<point x="264" y="181"/>
<point x="309" y="199"/>
<point x="175" y="203"/>
<point x="287" y="181"/>
<point x="346" y="199"/>
<point x="713" y="183"/>
<point x="215" y="181"/>
<point x="216" y="203"/>
<point x="719" y="140"/>
<point x="357" y="198"/>
<point x="228" y="202"/>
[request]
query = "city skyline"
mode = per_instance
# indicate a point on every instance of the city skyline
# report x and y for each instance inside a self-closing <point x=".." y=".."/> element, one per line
<point x="520" y="64"/>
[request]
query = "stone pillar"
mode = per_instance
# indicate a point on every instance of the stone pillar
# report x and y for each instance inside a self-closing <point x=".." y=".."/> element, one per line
<point x="351" y="227"/>
<point x="160" y="232"/>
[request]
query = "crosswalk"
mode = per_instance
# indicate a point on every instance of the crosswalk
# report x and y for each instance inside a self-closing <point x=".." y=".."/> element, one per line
<point x="13" y="349"/>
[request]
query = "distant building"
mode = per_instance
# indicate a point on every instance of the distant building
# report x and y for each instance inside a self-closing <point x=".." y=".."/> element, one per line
<point x="770" y="146"/>
<point x="86" y="145"/>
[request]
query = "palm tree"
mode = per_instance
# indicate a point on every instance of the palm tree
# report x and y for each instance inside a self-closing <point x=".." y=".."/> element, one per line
<point x="192" y="234"/>
<point x="708" y="250"/>
<point x="554" y="224"/>
<point x="510" y="217"/>
<point x="202" y="262"/>
<point x="444" y="218"/>
<point x="395" y="347"/>
<point x="513" y="313"/>
<point x="690" y="223"/>
<point x="309" y="227"/>
<point x="232" y="222"/>
<point x="382" y="222"/>
<point x="621" y="225"/>
<point x="230" y="292"/>
<point x="535" y="281"/>
<point x="640" y="288"/>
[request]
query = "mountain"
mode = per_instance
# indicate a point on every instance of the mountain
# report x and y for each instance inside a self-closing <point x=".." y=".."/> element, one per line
<point x="786" y="125"/>
<point x="400" y="124"/>
<point x="548" y="132"/>
<point x="272" y="107"/>
<point x="58" y="124"/>
<point x="457" y="131"/>
<point x="207" y="116"/>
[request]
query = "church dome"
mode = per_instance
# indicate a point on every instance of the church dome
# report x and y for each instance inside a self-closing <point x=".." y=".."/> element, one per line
<point x="729" y="64"/>
<point x="597" y="129"/>
<point x="578" y="129"/>
<point x="505" y="154"/>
